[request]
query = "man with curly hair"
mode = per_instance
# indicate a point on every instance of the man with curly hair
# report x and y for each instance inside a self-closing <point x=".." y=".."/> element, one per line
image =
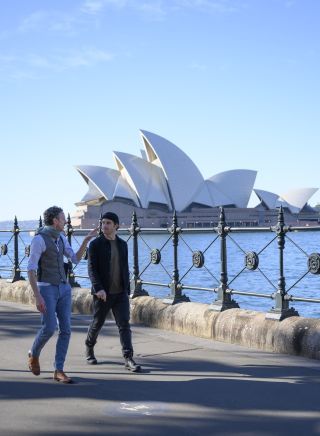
<point x="52" y="292"/>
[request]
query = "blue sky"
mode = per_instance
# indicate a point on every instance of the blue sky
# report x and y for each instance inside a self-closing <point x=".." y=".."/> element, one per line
<point x="235" y="84"/>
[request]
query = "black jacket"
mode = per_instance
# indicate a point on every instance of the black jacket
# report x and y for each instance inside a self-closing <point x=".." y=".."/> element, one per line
<point x="99" y="257"/>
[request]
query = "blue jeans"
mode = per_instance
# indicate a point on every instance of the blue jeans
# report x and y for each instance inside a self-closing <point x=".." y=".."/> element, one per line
<point x="58" y="313"/>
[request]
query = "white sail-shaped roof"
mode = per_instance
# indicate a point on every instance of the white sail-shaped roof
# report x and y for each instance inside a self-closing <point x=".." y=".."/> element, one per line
<point x="146" y="179"/>
<point x="203" y="195"/>
<point x="269" y="199"/>
<point x="296" y="199"/>
<point x="93" y="194"/>
<point x="124" y="190"/>
<point x="218" y="197"/>
<point x="236" y="185"/>
<point x="104" y="179"/>
<point x="166" y="175"/>
<point x="182" y="175"/>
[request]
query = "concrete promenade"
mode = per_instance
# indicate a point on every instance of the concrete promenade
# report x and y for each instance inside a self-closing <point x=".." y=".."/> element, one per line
<point x="189" y="386"/>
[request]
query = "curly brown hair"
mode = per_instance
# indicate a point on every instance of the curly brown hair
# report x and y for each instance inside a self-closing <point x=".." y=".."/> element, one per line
<point x="50" y="213"/>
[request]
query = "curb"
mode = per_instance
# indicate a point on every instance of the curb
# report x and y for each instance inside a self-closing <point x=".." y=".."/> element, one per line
<point x="295" y="335"/>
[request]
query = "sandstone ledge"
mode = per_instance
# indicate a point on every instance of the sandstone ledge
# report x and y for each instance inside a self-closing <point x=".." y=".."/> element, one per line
<point x="294" y="335"/>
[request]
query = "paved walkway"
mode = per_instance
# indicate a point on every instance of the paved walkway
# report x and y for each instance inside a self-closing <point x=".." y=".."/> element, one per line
<point x="189" y="386"/>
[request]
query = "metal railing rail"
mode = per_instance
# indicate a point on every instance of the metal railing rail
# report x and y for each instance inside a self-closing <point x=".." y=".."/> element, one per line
<point x="174" y="234"/>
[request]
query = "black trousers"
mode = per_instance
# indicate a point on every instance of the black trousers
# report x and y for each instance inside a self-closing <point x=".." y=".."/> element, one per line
<point x="119" y="304"/>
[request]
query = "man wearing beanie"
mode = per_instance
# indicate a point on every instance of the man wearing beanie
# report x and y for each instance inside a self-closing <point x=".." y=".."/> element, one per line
<point x="109" y="274"/>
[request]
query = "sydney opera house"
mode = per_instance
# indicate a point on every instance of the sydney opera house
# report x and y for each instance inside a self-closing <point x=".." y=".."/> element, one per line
<point x="164" y="179"/>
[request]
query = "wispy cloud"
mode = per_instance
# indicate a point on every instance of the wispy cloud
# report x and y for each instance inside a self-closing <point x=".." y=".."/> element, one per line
<point x="86" y="57"/>
<point x="160" y="8"/>
<point x="51" y="21"/>
<point x="87" y="14"/>
<point x="198" y="67"/>
<point x="6" y="60"/>
<point x="154" y="10"/>
<point x="11" y="68"/>
<point x="32" y="65"/>
<point x="72" y="23"/>
<point x="218" y="6"/>
<point x="19" y="75"/>
<point x="93" y="7"/>
<point x="33" y="21"/>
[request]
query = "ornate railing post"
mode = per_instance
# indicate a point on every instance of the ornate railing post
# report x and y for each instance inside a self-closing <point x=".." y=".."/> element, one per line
<point x="68" y="265"/>
<point x="100" y="225"/>
<point x="175" y="295"/>
<point x="281" y="308"/>
<point x="16" y="273"/>
<point x="135" y="282"/>
<point x="224" y="300"/>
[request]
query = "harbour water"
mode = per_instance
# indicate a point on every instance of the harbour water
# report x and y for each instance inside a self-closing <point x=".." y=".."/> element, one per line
<point x="299" y="245"/>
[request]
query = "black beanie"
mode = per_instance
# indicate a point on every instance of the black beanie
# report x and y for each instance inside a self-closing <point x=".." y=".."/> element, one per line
<point x="111" y="216"/>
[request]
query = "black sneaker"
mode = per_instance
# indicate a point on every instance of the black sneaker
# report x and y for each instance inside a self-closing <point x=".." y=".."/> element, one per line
<point x="91" y="358"/>
<point x="131" y="365"/>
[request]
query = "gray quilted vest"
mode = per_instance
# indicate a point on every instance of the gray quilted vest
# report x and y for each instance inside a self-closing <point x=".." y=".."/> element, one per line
<point x="51" y="267"/>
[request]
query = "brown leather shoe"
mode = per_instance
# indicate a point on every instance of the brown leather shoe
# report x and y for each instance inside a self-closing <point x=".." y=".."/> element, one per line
<point x="33" y="364"/>
<point x="60" y="376"/>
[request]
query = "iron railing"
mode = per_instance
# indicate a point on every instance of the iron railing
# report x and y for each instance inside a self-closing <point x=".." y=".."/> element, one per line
<point x="221" y="233"/>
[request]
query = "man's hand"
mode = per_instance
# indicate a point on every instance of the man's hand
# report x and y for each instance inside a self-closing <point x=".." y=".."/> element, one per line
<point x="102" y="295"/>
<point x="41" y="305"/>
<point x="91" y="234"/>
<point x="84" y="244"/>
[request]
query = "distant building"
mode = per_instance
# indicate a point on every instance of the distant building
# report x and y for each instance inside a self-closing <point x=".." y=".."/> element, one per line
<point x="165" y="179"/>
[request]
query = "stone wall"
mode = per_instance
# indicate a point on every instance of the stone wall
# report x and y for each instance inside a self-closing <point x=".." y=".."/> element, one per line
<point x="294" y="335"/>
